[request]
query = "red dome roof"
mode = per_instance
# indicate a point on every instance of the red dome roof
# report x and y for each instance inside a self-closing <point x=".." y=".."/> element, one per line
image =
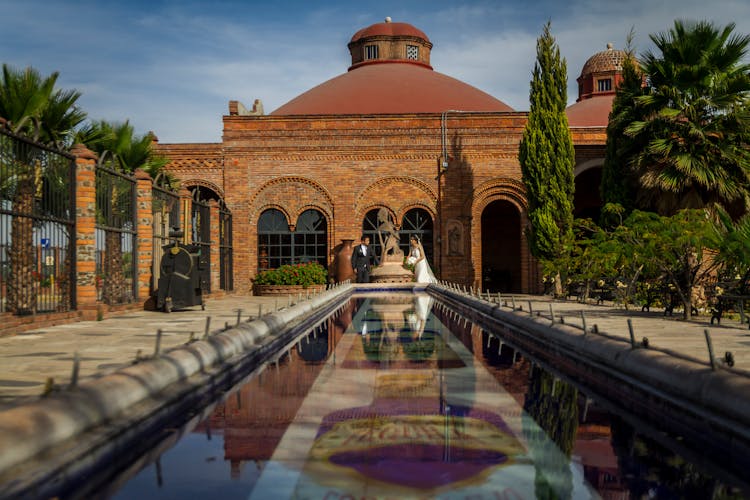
<point x="390" y="88"/>
<point x="389" y="29"/>
<point x="591" y="112"/>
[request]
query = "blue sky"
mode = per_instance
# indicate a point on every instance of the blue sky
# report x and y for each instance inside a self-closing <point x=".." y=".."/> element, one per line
<point x="172" y="66"/>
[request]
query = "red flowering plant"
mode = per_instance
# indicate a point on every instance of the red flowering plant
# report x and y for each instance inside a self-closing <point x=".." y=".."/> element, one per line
<point x="305" y="275"/>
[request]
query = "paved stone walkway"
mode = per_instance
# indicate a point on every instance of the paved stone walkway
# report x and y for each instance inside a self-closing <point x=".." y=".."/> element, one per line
<point x="28" y="360"/>
<point x="668" y="333"/>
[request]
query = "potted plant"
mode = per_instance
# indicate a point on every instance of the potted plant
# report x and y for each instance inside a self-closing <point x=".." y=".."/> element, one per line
<point x="290" y="279"/>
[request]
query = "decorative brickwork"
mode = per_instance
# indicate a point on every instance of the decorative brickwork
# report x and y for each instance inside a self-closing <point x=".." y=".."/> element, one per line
<point x="322" y="155"/>
<point x="85" y="231"/>
<point x="145" y="230"/>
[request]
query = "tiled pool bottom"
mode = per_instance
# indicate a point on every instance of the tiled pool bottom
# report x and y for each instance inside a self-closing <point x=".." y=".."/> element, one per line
<point x="393" y="398"/>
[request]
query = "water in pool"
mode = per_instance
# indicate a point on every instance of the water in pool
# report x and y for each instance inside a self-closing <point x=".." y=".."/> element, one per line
<point x="395" y="398"/>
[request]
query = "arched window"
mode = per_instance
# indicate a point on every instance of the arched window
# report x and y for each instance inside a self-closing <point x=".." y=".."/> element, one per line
<point x="417" y="221"/>
<point x="278" y="246"/>
<point x="274" y="240"/>
<point x="309" y="240"/>
<point x="370" y="228"/>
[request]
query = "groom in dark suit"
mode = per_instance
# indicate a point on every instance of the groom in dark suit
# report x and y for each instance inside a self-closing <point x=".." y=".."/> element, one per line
<point x="362" y="260"/>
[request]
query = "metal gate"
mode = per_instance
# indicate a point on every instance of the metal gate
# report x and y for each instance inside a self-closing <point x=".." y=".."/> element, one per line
<point x="37" y="227"/>
<point x="201" y="236"/>
<point x="115" y="234"/>
<point x="165" y="208"/>
<point x="226" y="279"/>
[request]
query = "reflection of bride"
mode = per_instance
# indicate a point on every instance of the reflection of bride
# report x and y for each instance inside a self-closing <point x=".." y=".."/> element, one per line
<point x="422" y="271"/>
<point x="418" y="345"/>
<point x="418" y="319"/>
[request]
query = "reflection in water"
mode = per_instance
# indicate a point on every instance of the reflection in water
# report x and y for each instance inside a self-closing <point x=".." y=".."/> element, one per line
<point x="405" y="398"/>
<point x="653" y="471"/>
<point x="553" y="404"/>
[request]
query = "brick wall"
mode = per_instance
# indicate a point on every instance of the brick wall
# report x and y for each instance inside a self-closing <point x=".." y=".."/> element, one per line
<point x="345" y="166"/>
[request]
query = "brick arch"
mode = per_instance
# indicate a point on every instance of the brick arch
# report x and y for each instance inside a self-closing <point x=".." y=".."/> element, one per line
<point x="501" y="189"/>
<point x="507" y="189"/>
<point x="587" y="200"/>
<point x="587" y="165"/>
<point x="393" y="189"/>
<point x="298" y="192"/>
<point x="203" y="183"/>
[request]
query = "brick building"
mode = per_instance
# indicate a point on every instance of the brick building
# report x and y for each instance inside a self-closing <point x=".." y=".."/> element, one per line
<point x="439" y="155"/>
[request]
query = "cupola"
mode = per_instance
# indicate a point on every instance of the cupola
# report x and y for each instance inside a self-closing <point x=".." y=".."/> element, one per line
<point x="389" y="42"/>
<point x="390" y="74"/>
<point x="601" y="74"/>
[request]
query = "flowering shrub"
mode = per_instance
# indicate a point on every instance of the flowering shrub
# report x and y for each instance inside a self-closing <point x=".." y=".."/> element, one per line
<point x="308" y="274"/>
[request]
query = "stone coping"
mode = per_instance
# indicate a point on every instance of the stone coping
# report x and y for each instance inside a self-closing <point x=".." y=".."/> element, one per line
<point x="31" y="429"/>
<point x="719" y="399"/>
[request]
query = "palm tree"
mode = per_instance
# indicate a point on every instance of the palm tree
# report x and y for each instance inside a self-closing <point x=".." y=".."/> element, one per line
<point x="127" y="152"/>
<point x="694" y="120"/>
<point x="32" y="107"/>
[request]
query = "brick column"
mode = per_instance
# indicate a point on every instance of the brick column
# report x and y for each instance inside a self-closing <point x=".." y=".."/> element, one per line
<point x="215" y="249"/>
<point x="85" y="231"/>
<point x="244" y="231"/>
<point x="145" y="243"/>
<point x="186" y="209"/>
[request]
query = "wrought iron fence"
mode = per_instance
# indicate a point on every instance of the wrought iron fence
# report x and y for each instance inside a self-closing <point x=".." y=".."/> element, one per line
<point x="115" y="234"/>
<point x="201" y="236"/>
<point x="37" y="227"/>
<point x="166" y="218"/>
<point x="226" y="281"/>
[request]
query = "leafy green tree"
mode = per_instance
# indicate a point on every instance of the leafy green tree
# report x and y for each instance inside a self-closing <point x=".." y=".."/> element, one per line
<point x="675" y="246"/>
<point x="31" y="106"/>
<point x="693" y="122"/>
<point x="619" y="183"/>
<point x="546" y="154"/>
<point x="732" y="239"/>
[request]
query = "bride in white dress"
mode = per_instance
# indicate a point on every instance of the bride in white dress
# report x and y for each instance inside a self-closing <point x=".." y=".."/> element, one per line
<point x="422" y="270"/>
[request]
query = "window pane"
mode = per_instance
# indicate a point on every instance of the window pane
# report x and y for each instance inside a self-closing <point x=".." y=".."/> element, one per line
<point x="417" y="222"/>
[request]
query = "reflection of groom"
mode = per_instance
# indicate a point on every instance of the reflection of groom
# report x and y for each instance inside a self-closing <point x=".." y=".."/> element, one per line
<point x="362" y="260"/>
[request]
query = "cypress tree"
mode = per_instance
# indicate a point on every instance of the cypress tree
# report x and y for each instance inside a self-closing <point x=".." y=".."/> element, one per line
<point x="546" y="154"/>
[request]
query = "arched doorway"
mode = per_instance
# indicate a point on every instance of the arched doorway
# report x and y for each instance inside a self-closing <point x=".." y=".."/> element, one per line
<point x="501" y="247"/>
<point x="587" y="201"/>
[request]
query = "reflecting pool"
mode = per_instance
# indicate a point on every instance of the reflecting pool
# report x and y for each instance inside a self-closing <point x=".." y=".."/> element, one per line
<point x="394" y="397"/>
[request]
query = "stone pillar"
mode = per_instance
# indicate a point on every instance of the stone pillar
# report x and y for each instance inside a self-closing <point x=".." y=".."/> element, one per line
<point x="145" y="242"/>
<point x="215" y="248"/>
<point x="85" y="239"/>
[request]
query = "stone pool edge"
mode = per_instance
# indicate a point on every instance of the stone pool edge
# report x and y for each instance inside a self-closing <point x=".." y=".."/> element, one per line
<point x="717" y="400"/>
<point x="32" y="429"/>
